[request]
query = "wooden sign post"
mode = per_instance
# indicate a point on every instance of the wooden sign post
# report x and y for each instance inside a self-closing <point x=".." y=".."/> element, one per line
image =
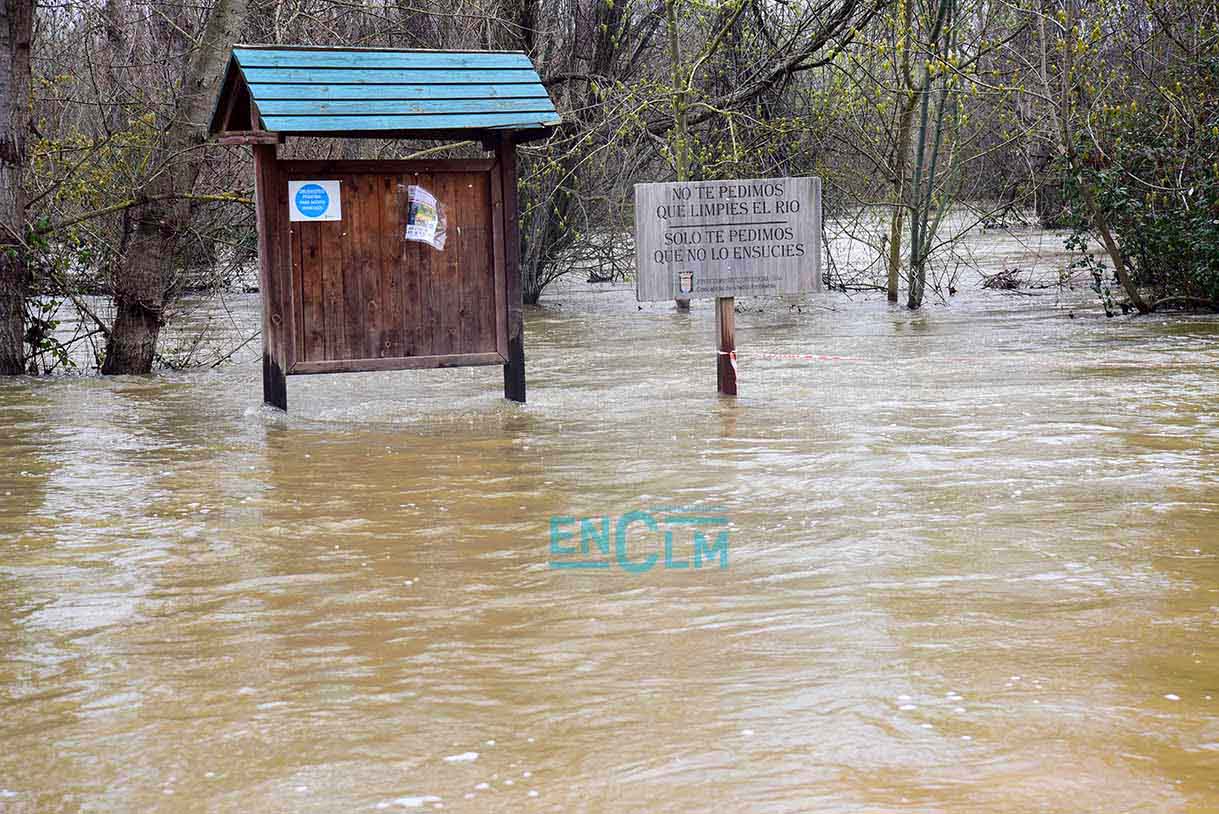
<point x="725" y="329"/>
<point x="724" y="239"/>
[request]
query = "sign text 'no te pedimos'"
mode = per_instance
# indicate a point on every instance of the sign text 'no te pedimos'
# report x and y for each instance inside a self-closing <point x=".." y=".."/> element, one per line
<point x="756" y="237"/>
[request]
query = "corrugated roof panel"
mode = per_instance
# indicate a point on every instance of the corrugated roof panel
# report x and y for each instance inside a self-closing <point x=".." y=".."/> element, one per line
<point x="355" y="58"/>
<point x="389" y="76"/>
<point x="368" y="124"/>
<point x="308" y="90"/>
<point x="401" y="107"/>
<point x="437" y="91"/>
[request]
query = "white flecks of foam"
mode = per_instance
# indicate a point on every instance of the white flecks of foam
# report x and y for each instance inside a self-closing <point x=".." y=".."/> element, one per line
<point x="410" y="802"/>
<point x="1172" y="696"/>
<point x="748" y="733"/>
<point x="490" y="742"/>
<point x="526" y="774"/>
<point x="533" y="792"/>
<point x="464" y="757"/>
<point x="907" y="707"/>
<point x="483" y="786"/>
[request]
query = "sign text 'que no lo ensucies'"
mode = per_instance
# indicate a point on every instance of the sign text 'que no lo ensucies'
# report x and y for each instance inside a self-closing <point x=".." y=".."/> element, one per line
<point x="754" y="237"/>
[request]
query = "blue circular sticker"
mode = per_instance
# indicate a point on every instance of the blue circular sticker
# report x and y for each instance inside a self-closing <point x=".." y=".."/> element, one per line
<point x="312" y="201"/>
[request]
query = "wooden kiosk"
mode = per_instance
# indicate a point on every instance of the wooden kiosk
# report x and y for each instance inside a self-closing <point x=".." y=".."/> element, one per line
<point x="385" y="265"/>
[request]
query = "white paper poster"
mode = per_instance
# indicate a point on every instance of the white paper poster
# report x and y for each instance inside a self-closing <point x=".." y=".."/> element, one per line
<point x="425" y="218"/>
<point x="314" y="200"/>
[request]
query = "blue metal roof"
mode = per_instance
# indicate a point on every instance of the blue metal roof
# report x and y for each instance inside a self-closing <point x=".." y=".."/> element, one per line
<point x="331" y="91"/>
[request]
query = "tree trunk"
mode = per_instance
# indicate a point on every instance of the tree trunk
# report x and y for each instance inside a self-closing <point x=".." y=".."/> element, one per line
<point x="16" y="32"/>
<point x="681" y="125"/>
<point x="1048" y="200"/>
<point x="897" y="219"/>
<point x="923" y="188"/>
<point x="145" y="272"/>
<point x="1100" y="223"/>
<point x="138" y="296"/>
<point x="901" y="151"/>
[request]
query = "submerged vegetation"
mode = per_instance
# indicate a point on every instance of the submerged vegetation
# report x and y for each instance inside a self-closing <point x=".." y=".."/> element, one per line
<point x="1102" y="117"/>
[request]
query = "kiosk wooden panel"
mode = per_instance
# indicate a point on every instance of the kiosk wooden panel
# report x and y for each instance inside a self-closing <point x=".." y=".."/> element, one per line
<point x="367" y="293"/>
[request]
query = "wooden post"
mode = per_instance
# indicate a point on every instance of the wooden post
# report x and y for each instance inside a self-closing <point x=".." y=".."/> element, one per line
<point x="271" y="279"/>
<point x="514" y="370"/>
<point x="725" y="328"/>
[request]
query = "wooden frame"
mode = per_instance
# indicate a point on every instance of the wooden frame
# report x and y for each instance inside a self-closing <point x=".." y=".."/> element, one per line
<point x="283" y="284"/>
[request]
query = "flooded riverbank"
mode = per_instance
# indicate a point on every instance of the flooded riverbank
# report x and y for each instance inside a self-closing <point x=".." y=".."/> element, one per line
<point x="973" y="566"/>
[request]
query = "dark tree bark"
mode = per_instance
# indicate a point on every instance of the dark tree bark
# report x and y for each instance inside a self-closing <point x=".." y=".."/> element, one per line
<point x="602" y="35"/>
<point x="150" y="242"/>
<point x="16" y="32"/>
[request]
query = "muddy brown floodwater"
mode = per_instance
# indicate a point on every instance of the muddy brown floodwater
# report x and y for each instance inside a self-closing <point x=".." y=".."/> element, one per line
<point x="973" y="566"/>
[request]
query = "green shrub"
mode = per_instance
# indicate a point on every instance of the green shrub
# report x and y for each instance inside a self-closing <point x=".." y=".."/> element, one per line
<point x="1153" y="165"/>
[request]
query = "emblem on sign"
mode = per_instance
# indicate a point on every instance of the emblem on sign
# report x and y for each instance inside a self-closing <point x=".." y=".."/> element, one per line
<point x="685" y="282"/>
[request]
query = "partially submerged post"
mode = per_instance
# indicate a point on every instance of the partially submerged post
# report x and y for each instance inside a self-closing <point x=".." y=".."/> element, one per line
<point x="386" y="265"/>
<point x="723" y="239"/>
